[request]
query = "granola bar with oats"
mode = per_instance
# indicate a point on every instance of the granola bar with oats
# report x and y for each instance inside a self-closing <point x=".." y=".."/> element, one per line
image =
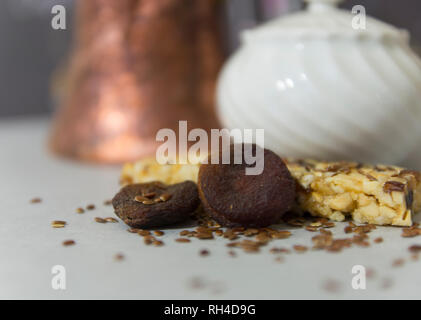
<point x="382" y="195"/>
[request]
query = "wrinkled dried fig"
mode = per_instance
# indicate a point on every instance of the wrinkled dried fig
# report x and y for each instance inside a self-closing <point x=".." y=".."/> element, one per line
<point x="155" y="204"/>
<point x="234" y="199"/>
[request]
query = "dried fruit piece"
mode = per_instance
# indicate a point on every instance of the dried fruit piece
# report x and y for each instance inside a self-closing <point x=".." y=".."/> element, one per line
<point x="234" y="198"/>
<point x="178" y="207"/>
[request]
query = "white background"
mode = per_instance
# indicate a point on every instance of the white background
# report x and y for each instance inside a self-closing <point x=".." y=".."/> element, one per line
<point x="30" y="247"/>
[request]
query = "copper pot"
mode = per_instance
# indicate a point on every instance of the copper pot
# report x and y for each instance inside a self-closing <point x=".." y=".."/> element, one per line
<point x="137" y="66"/>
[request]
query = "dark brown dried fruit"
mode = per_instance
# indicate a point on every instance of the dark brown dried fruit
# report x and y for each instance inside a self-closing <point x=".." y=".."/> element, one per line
<point x="183" y="202"/>
<point x="234" y="198"/>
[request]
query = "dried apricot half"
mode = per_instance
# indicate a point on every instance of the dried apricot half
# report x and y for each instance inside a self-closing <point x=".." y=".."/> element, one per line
<point x="234" y="198"/>
<point x="155" y="204"/>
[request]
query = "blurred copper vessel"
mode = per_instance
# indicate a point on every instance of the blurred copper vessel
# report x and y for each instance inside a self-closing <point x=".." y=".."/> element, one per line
<point x="137" y="66"/>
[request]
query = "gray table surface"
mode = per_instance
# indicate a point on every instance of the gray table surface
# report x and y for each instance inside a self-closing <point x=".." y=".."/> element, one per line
<point x="30" y="247"/>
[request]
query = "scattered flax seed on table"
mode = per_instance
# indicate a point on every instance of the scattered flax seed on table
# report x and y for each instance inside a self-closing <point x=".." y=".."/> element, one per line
<point x="300" y="249"/>
<point x="204" y="252"/>
<point x="232" y="253"/>
<point x="279" y="259"/>
<point x="36" y="200"/>
<point x="58" y="224"/>
<point x="332" y="286"/>
<point x="119" y="257"/>
<point x="112" y="220"/>
<point x="100" y="220"/>
<point x="90" y="207"/>
<point x="149" y="240"/>
<point x="158" y="233"/>
<point x="415" y="248"/>
<point x="182" y="240"/>
<point x="68" y="243"/>
<point x="158" y="243"/>
<point x="144" y="233"/>
<point x="378" y="240"/>
<point x="108" y="202"/>
<point x="398" y="263"/>
<point x="80" y="210"/>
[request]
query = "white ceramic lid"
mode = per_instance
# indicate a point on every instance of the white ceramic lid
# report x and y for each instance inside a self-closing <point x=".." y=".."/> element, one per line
<point x="323" y="19"/>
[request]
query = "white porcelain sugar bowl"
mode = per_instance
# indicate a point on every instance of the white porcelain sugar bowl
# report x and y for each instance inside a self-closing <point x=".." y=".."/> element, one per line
<point x="328" y="84"/>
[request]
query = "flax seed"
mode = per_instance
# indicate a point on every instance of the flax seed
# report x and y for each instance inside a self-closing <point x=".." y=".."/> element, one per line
<point x="219" y="233"/>
<point x="119" y="257"/>
<point x="232" y="253"/>
<point x="300" y="249"/>
<point x="204" y="252"/>
<point x="90" y="207"/>
<point x="58" y="224"/>
<point x="182" y="240"/>
<point x="149" y="240"/>
<point x="150" y="195"/>
<point x="332" y="286"/>
<point x="69" y="243"/>
<point x="144" y="233"/>
<point x="398" y="263"/>
<point x="279" y="259"/>
<point x="204" y="235"/>
<point x="415" y="248"/>
<point x="165" y="197"/>
<point x="80" y="210"/>
<point x="378" y="240"/>
<point x="112" y="220"/>
<point x="251" y="232"/>
<point x="311" y="229"/>
<point x="140" y="199"/>
<point x="158" y="243"/>
<point x="326" y="232"/>
<point x="36" y="200"/>
<point x="281" y="235"/>
<point x="348" y="229"/>
<point x="158" y="233"/>
<point x="100" y="220"/>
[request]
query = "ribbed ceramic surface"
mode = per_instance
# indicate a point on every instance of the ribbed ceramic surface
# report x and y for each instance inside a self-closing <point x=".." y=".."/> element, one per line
<point x="356" y="99"/>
